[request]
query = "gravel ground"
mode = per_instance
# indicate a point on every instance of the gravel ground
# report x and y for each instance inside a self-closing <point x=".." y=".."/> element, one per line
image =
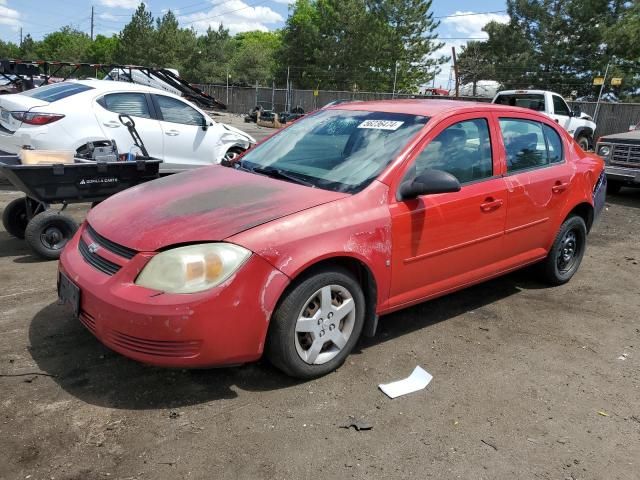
<point x="529" y="382"/>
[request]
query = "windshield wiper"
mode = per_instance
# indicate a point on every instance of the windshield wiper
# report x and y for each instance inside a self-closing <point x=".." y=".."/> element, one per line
<point x="277" y="173"/>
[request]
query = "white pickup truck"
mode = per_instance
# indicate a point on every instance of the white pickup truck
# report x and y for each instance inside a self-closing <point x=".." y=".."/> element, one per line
<point x="578" y="124"/>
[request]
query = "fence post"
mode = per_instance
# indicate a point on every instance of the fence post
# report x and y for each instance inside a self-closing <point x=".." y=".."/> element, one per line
<point x="257" y="93"/>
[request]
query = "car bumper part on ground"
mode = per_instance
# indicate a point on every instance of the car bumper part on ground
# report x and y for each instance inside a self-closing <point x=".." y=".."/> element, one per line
<point x="222" y="326"/>
<point x="622" y="174"/>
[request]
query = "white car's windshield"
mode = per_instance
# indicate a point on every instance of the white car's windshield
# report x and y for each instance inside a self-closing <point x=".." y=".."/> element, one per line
<point x="341" y="150"/>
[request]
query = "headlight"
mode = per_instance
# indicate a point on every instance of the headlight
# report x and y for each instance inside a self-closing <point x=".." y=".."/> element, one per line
<point x="604" y="150"/>
<point x="193" y="268"/>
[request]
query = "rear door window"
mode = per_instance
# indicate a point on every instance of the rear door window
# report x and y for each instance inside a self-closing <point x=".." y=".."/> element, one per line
<point x="529" y="144"/>
<point x="554" y="144"/>
<point x="176" y="111"/>
<point x="56" y="91"/>
<point x="134" y="104"/>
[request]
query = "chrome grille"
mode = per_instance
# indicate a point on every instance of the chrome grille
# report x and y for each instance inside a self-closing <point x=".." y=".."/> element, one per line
<point x="626" y="155"/>
<point x="96" y="261"/>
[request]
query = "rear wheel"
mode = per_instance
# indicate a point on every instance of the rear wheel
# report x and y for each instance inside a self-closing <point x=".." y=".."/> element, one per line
<point x="567" y="251"/>
<point x="317" y="324"/>
<point x="49" y="232"/>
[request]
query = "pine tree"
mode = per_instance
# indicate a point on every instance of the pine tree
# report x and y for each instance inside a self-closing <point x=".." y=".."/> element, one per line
<point x="137" y="38"/>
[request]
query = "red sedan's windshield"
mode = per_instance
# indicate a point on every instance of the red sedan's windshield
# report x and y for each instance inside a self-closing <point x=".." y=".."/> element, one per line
<point x="341" y="150"/>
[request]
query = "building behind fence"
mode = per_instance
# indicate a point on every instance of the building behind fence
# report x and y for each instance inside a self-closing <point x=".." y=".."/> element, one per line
<point x="612" y="117"/>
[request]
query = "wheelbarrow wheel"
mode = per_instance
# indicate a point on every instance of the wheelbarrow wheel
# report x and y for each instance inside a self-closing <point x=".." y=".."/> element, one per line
<point x="48" y="233"/>
<point x="15" y="218"/>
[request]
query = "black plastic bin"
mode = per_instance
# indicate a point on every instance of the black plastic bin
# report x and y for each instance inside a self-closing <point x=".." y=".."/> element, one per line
<point x="77" y="182"/>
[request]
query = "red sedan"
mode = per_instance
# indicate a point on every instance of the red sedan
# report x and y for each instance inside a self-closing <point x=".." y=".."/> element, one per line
<point x="350" y="213"/>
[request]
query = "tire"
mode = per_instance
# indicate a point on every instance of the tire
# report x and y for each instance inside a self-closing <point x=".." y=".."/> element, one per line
<point x="15" y="218"/>
<point x="613" y="187"/>
<point x="48" y="233"/>
<point x="583" y="142"/>
<point x="231" y="155"/>
<point x="301" y="336"/>
<point x="567" y="251"/>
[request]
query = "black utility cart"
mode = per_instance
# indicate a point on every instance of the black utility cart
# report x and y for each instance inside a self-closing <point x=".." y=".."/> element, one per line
<point x="47" y="230"/>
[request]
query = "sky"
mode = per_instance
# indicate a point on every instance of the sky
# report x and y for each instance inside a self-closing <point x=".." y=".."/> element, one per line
<point x="39" y="17"/>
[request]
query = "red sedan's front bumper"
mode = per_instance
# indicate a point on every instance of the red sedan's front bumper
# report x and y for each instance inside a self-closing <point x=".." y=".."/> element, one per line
<point x="224" y="325"/>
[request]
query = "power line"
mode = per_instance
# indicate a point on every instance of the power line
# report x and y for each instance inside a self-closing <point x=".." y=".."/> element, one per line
<point x="225" y="13"/>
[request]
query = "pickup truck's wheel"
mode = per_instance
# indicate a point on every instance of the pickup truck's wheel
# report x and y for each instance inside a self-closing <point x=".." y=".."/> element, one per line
<point x="47" y="234"/>
<point x="584" y="142"/>
<point x="317" y="324"/>
<point x="613" y="187"/>
<point x="567" y="251"/>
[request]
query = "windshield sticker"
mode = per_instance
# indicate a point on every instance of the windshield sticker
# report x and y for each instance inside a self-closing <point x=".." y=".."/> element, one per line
<point x="381" y="124"/>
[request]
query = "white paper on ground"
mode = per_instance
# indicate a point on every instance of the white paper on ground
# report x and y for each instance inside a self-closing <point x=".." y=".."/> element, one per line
<point x="418" y="380"/>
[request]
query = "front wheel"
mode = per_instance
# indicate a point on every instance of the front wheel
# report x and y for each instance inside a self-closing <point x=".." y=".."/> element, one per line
<point x="48" y="233"/>
<point x="232" y="154"/>
<point x="583" y="142"/>
<point x="567" y="251"/>
<point x="317" y="324"/>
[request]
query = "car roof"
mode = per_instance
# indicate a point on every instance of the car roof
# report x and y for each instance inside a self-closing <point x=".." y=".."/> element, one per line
<point x="524" y="91"/>
<point x="115" y="85"/>
<point x="429" y="107"/>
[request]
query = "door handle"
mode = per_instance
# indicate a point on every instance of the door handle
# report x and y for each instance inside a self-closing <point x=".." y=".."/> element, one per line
<point x="559" y="187"/>
<point x="172" y="133"/>
<point x="490" y="204"/>
<point x="557" y="120"/>
<point x="112" y="124"/>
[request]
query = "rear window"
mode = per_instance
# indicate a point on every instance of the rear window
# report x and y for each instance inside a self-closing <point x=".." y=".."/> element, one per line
<point x="532" y="101"/>
<point x="57" y="91"/>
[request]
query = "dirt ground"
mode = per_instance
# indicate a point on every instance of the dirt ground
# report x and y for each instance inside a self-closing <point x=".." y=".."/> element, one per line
<point x="529" y="382"/>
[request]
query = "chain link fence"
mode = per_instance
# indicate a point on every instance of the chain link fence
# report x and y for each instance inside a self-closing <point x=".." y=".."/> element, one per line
<point x="612" y="117"/>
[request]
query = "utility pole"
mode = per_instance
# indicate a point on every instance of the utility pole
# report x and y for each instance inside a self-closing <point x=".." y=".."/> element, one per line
<point x="604" y="80"/>
<point x="92" y="23"/>
<point x="227" y="86"/>
<point x="455" y="70"/>
<point x="395" y="78"/>
<point x="20" y="36"/>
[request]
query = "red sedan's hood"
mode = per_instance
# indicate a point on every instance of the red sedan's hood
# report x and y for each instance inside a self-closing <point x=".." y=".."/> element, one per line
<point x="206" y="204"/>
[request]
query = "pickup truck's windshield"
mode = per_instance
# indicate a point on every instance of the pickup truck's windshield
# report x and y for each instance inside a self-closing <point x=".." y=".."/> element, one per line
<point x="532" y="101"/>
<point x="340" y="150"/>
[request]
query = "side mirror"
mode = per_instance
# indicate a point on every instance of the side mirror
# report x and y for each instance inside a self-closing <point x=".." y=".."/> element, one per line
<point x="577" y="111"/>
<point x="429" y="182"/>
<point x="204" y="124"/>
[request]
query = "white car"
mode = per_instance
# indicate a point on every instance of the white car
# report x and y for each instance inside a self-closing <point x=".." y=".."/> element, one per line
<point x="578" y="124"/>
<point x="67" y="115"/>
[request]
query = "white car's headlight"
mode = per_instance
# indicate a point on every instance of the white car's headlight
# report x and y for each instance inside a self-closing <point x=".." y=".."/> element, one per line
<point x="193" y="268"/>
